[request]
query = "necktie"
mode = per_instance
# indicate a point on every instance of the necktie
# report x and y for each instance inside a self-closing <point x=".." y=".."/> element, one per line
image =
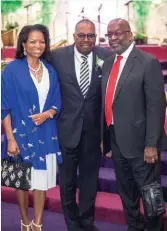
<point x="84" y="75"/>
<point x="110" y="90"/>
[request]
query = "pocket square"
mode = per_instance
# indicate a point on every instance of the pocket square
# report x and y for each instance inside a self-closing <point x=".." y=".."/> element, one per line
<point x="100" y="76"/>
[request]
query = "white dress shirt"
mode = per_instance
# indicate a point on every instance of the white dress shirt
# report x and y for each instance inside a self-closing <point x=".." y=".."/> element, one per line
<point x="125" y="56"/>
<point x="78" y="60"/>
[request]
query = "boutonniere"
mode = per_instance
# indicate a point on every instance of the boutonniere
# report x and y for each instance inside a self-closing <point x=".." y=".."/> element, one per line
<point x="99" y="64"/>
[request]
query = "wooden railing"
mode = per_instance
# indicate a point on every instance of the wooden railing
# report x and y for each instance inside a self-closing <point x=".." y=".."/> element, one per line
<point x="61" y="43"/>
<point x="9" y="38"/>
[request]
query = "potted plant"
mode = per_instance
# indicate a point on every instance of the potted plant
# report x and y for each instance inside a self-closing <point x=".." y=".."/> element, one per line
<point x="140" y="39"/>
<point x="6" y="8"/>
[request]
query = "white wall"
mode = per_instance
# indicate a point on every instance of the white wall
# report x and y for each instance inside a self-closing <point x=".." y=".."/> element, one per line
<point x="110" y="9"/>
<point x="66" y="13"/>
<point x="157" y="22"/>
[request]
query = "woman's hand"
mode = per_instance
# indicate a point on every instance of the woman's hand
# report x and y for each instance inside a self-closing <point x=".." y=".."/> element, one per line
<point x="38" y="119"/>
<point x="12" y="148"/>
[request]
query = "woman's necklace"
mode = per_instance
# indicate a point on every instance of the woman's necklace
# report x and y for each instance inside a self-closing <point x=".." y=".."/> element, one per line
<point x="37" y="72"/>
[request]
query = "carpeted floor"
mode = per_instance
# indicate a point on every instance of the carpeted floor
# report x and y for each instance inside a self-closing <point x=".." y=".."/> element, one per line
<point x="51" y="221"/>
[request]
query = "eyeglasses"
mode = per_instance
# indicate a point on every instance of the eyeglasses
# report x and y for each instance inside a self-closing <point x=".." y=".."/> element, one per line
<point x="116" y="34"/>
<point x="89" y="36"/>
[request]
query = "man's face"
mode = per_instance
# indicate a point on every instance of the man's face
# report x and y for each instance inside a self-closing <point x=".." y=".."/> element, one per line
<point x="85" y="38"/>
<point x="119" y="36"/>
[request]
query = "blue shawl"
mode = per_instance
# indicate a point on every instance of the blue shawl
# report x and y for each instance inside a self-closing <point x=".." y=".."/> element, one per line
<point x="20" y="99"/>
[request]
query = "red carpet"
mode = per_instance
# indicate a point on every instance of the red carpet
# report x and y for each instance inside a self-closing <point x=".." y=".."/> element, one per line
<point x="108" y="205"/>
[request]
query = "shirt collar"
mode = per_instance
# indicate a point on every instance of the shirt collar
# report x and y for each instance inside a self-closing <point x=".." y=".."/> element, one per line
<point x="126" y="53"/>
<point x="78" y="54"/>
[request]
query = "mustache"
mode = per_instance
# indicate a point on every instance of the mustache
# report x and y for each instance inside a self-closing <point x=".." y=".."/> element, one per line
<point x="86" y="43"/>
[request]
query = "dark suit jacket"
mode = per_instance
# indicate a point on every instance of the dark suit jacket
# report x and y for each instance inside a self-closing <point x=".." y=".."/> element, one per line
<point x="139" y="103"/>
<point x="77" y="113"/>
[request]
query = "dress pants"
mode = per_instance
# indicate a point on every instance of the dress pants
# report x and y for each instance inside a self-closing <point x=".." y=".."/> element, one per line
<point x="83" y="160"/>
<point x="131" y="175"/>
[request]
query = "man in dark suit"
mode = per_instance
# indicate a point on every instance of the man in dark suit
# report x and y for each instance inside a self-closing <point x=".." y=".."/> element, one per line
<point x="79" y="72"/>
<point x="134" y="113"/>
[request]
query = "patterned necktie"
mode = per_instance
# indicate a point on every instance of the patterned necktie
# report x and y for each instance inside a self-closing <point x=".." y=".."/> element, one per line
<point x="84" y="76"/>
<point x="110" y="90"/>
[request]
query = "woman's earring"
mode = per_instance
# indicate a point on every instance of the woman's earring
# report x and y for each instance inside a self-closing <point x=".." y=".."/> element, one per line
<point x="24" y="52"/>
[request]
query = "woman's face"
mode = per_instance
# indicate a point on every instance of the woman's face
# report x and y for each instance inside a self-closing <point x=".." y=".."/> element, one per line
<point x="35" y="45"/>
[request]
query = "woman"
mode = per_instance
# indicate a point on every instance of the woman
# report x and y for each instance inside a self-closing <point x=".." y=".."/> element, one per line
<point x="30" y="105"/>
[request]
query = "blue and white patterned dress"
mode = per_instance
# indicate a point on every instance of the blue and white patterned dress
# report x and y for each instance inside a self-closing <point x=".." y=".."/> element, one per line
<point x="23" y="96"/>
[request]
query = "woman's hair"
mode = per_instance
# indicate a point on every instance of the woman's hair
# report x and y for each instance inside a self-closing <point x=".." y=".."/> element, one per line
<point x="23" y="37"/>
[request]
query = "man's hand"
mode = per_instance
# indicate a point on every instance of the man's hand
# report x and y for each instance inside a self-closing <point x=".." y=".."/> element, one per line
<point x="150" y="155"/>
<point x="38" y="119"/>
<point x="108" y="154"/>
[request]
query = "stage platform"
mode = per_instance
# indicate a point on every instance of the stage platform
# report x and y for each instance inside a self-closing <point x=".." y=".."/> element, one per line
<point x="160" y="52"/>
<point x="108" y="203"/>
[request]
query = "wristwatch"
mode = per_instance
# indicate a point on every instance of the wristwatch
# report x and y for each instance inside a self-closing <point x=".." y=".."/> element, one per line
<point x="50" y="114"/>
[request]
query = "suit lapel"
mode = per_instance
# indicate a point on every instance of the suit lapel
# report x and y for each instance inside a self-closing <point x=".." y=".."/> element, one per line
<point x="71" y="66"/>
<point x="93" y="74"/>
<point x="125" y="72"/>
<point x="107" y="73"/>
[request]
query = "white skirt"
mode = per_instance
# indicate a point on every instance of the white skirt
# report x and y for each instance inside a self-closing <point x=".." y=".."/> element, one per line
<point x="45" y="179"/>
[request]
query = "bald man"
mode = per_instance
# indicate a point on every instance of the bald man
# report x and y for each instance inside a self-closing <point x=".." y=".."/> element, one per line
<point x="134" y="114"/>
